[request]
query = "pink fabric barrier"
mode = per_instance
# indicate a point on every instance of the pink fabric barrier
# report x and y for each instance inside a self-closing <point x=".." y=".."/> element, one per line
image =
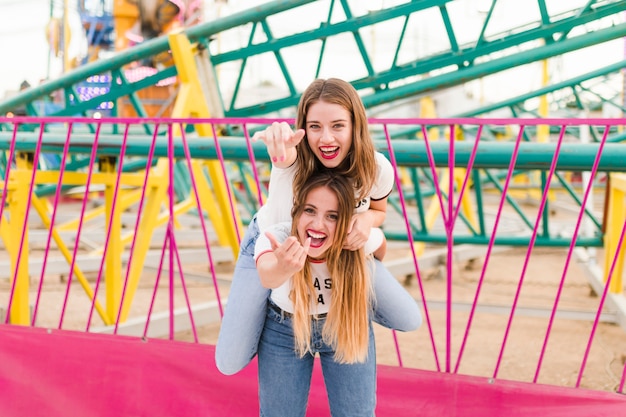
<point x="65" y="373"/>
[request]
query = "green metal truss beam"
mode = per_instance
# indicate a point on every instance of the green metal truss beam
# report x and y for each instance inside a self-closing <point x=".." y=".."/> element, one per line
<point x="416" y="75"/>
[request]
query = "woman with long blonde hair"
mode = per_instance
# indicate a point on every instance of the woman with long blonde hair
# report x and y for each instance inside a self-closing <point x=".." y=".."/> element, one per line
<point x="320" y="303"/>
<point x="331" y="134"/>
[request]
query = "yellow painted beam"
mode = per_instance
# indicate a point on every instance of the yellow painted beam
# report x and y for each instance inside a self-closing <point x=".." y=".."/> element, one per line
<point x="532" y="180"/>
<point x="113" y="261"/>
<point x="191" y="102"/>
<point x="434" y="208"/>
<point x="125" y="200"/>
<point x="615" y="218"/>
<point x="17" y="198"/>
<point x="154" y="198"/>
<point x="42" y="209"/>
<point x="467" y="206"/>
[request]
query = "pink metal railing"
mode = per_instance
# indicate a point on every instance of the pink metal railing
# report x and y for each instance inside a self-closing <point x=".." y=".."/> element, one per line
<point x="170" y="250"/>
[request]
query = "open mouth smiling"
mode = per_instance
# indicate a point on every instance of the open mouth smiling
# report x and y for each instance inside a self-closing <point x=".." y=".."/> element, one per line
<point x="329" y="152"/>
<point x="317" y="239"/>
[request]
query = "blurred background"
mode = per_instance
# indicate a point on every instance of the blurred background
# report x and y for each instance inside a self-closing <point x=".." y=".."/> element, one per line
<point x="488" y="50"/>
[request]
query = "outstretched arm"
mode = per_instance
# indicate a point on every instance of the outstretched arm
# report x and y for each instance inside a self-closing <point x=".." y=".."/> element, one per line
<point x="282" y="262"/>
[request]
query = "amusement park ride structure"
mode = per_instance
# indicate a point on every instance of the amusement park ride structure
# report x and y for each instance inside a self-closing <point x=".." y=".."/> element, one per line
<point x="185" y="61"/>
<point x="181" y="71"/>
<point x="307" y="50"/>
<point x="155" y="63"/>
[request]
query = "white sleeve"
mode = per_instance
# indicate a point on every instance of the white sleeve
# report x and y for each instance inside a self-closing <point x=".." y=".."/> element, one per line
<point x="385" y="178"/>
<point x="374" y="241"/>
<point x="277" y="207"/>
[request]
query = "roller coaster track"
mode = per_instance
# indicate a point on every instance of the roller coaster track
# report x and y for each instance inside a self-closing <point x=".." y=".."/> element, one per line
<point x="408" y="71"/>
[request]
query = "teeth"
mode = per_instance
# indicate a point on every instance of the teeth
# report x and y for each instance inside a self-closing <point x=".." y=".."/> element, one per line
<point x="329" y="150"/>
<point x="315" y="235"/>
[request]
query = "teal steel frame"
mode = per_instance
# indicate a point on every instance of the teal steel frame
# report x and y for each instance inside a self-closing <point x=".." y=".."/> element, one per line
<point x="415" y="76"/>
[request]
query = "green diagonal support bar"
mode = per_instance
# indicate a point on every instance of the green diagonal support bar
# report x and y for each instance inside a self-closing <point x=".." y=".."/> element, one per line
<point x="410" y="153"/>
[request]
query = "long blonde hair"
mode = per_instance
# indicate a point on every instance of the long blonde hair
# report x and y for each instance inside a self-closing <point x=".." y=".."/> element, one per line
<point x="347" y="323"/>
<point x="360" y="164"/>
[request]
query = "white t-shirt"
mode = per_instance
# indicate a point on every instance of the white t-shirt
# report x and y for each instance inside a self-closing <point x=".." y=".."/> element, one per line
<point x="277" y="208"/>
<point x="322" y="281"/>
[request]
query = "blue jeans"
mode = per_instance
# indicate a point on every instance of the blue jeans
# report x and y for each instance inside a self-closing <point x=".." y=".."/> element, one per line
<point x="244" y="314"/>
<point x="394" y="307"/>
<point x="285" y="378"/>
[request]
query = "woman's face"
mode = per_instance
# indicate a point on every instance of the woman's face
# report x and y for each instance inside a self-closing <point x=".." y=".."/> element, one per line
<point x="318" y="220"/>
<point x="329" y="132"/>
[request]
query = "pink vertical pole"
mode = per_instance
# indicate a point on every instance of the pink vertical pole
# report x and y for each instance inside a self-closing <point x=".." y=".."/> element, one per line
<point x="409" y="232"/>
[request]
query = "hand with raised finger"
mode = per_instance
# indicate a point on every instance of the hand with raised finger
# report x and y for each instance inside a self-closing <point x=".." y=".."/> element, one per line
<point x="281" y="141"/>
<point x="290" y="254"/>
<point x="358" y="233"/>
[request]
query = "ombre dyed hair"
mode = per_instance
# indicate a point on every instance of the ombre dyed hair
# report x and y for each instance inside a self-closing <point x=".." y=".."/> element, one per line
<point x="347" y="323"/>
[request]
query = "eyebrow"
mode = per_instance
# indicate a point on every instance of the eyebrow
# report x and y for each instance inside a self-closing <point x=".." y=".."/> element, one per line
<point x="332" y="121"/>
<point x="307" y="205"/>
